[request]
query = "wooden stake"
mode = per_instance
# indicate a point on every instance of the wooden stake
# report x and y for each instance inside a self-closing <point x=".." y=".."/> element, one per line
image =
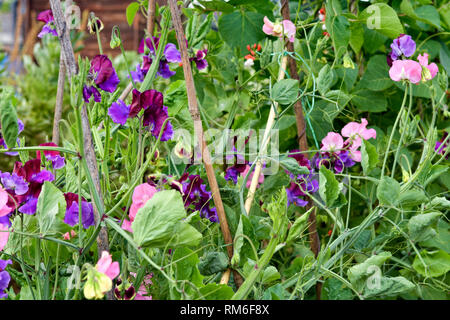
<point x="89" y="151"/>
<point x="59" y="99"/>
<point x="151" y="17"/>
<point x="264" y="144"/>
<point x="303" y="145"/>
<point x="198" y="129"/>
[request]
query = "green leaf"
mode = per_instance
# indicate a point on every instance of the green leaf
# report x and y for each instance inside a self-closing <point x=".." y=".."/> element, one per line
<point x="240" y="28"/>
<point x="325" y="79"/>
<point x="212" y="263"/>
<point x="388" y="191"/>
<point x="368" y="100"/>
<point x="376" y="76"/>
<point x="131" y="12"/>
<point x="186" y="266"/>
<point x="356" y="36"/>
<point x="388" y="287"/>
<point x="291" y="165"/>
<point x="238" y="243"/>
<point x="217" y="5"/>
<point x="369" y="156"/>
<point x="334" y="289"/>
<point x="285" y="91"/>
<point x="214" y="291"/>
<point x="158" y="223"/>
<point x="440" y="203"/>
<point x="383" y="18"/>
<point x="299" y="226"/>
<point x="442" y="238"/>
<point x="419" y="226"/>
<point x="359" y="273"/>
<point x="328" y="186"/>
<point x="412" y="197"/>
<point x="437" y="263"/>
<point x="270" y="274"/>
<point x="8" y="119"/>
<point x="50" y="208"/>
<point x="429" y="15"/>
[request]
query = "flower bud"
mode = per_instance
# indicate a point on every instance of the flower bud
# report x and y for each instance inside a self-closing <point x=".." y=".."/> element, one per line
<point x="95" y="24"/>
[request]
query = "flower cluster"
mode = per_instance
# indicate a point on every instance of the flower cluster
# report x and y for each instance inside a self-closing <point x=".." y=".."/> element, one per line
<point x="155" y="113"/>
<point x="4" y="278"/>
<point x="337" y="153"/>
<point x="171" y="55"/>
<point x="3" y="142"/>
<point x="408" y="69"/>
<point x="279" y="29"/>
<point x="322" y="16"/>
<point x="102" y="75"/>
<point x="301" y="184"/>
<point x="49" y="27"/>
<point x="196" y="196"/>
<point x="250" y="58"/>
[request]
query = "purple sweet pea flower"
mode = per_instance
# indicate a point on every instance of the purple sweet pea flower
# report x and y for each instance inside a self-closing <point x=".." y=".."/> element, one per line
<point x="89" y="91"/>
<point x="164" y="70"/>
<point x="4" y="278"/>
<point x="106" y="76"/>
<point x="233" y="172"/>
<point x="30" y="206"/>
<point x="403" y="45"/>
<point x="441" y="147"/>
<point x="304" y="184"/>
<point x="14" y="182"/>
<point x="49" y="28"/>
<point x="200" y="60"/>
<point x="171" y="53"/>
<point x="154" y="117"/>
<point x="294" y="195"/>
<point x="119" y="112"/>
<point x="72" y="211"/>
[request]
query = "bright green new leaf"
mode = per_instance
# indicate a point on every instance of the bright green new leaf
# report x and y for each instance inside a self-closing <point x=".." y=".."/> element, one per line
<point x="300" y="224"/>
<point x="50" y="208"/>
<point x="131" y="12"/>
<point x="388" y="287"/>
<point x="325" y="79"/>
<point x="382" y="18"/>
<point x="437" y="263"/>
<point x="328" y="186"/>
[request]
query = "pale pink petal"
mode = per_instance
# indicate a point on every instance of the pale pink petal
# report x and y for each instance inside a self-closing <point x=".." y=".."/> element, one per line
<point x="423" y="60"/>
<point x="141" y="194"/>
<point x="369" y="133"/>
<point x="355" y="155"/>
<point x="126" y="225"/>
<point x="4" y="235"/>
<point x="350" y="129"/>
<point x="104" y="262"/>
<point x="268" y="26"/>
<point x="397" y="71"/>
<point x="333" y="141"/>
<point x="66" y="236"/>
<point x="113" y="271"/>
<point x="433" y="69"/>
<point x="250" y="176"/>
<point x="413" y="70"/>
<point x="289" y="29"/>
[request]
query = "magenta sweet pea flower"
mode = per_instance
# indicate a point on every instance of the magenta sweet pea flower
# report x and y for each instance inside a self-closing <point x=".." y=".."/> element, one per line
<point x="107" y="267"/>
<point x="49" y="27"/>
<point x="332" y="142"/>
<point x="432" y="67"/>
<point x="406" y="70"/>
<point x="277" y="29"/>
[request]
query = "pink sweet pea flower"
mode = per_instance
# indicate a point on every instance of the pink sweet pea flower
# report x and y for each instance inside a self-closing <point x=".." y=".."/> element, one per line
<point x="354" y="131"/>
<point x="332" y="142"/>
<point x="250" y="176"/>
<point x="68" y="236"/>
<point x="354" y="154"/>
<point x="4" y="209"/>
<point x="277" y="29"/>
<point x="107" y="267"/>
<point x="406" y="70"/>
<point x="142" y="193"/>
<point x="4" y="235"/>
<point x="433" y="68"/>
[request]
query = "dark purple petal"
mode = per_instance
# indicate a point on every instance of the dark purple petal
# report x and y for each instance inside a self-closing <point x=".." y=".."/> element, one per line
<point x="110" y="85"/>
<point x="119" y="112"/>
<point x="97" y="94"/>
<point x="106" y="78"/>
<point x="87" y="93"/>
<point x="201" y="64"/>
<point x="164" y="70"/>
<point x="154" y="117"/>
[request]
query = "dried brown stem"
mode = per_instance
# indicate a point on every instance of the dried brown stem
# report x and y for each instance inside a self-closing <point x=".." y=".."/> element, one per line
<point x="193" y="109"/>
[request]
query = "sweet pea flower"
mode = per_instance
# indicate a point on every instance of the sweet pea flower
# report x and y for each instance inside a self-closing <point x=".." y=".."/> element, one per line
<point x="53" y="156"/>
<point x="141" y="194"/>
<point x="406" y="70"/>
<point x="403" y="45"/>
<point x="49" y="28"/>
<point x="107" y="267"/>
<point x="4" y="235"/>
<point x="97" y="284"/>
<point x="332" y="142"/>
<point x="72" y="211"/>
<point x="277" y="29"/>
<point x="200" y="59"/>
<point x="354" y="131"/>
<point x="250" y="176"/>
<point x="68" y="236"/>
<point x="4" y="208"/>
<point x="429" y="70"/>
<point x="105" y="78"/>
